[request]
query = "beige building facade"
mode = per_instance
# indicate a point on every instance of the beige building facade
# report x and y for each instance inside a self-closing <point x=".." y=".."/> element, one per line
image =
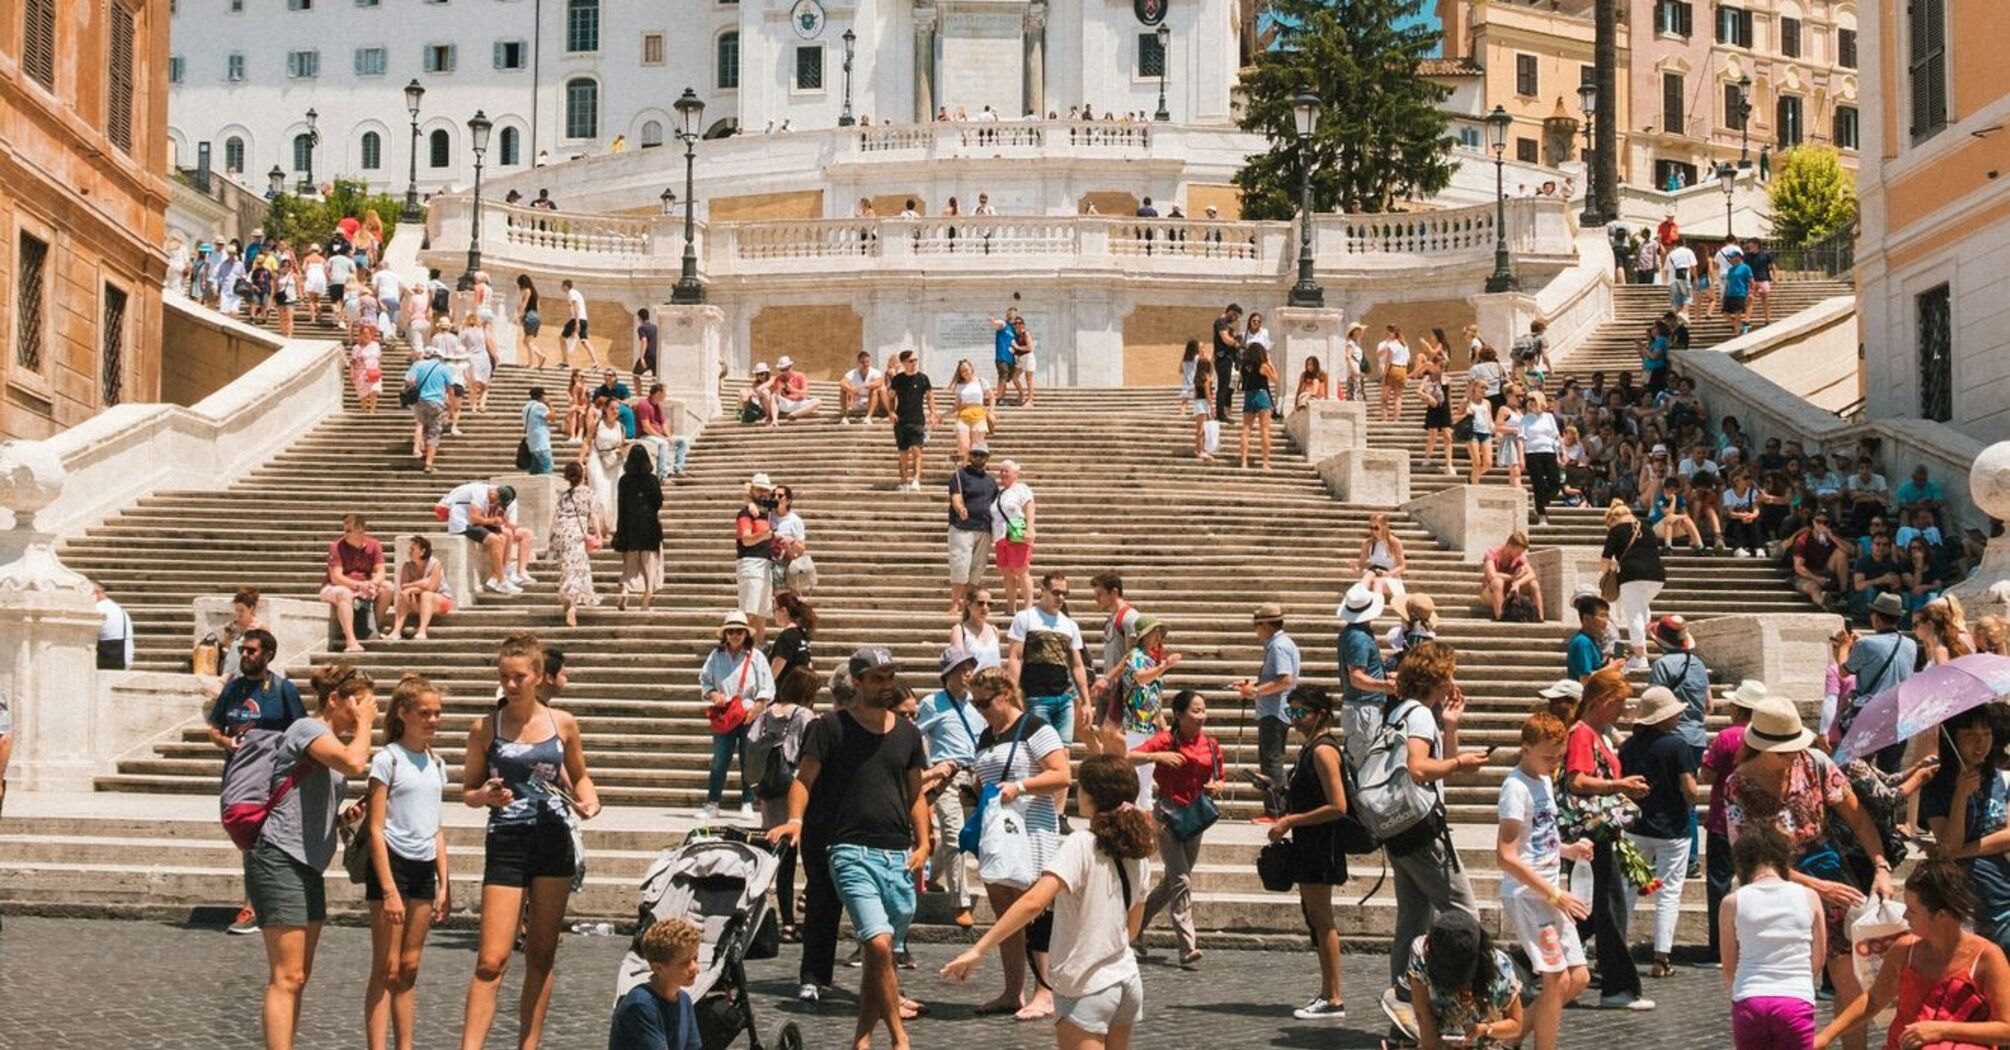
<point x="83" y="199"/>
<point x="1531" y="61"/>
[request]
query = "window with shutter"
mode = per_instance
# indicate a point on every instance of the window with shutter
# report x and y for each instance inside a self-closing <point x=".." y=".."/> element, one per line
<point x="582" y="26"/>
<point x="1734" y="108"/>
<point x="1846" y="48"/>
<point x="652" y="49"/>
<point x="509" y="54"/>
<point x="582" y="108"/>
<point x="1671" y="104"/>
<point x="373" y="151"/>
<point x="1675" y="17"/>
<point x="370" y="62"/>
<point x="233" y="155"/>
<point x="112" y="334"/>
<point x="439" y="148"/>
<point x="1524" y="75"/>
<point x="177" y="69"/>
<point x="1787" y="120"/>
<point x="31" y="273"/>
<point x="1845" y="127"/>
<point x="510" y="149"/>
<point x="38" y="42"/>
<point x="233" y="67"/>
<point x="1151" y="57"/>
<point x="810" y="67"/>
<point x="1927" y="66"/>
<point x="1790" y="37"/>
<point x="729" y="61"/>
<point x="1526" y="151"/>
<point x="119" y="78"/>
<point x="1935" y="329"/>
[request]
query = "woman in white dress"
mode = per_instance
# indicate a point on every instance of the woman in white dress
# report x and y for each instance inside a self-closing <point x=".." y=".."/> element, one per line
<point x="975" y="632"/>
<point x="366" y="369"/>
<point x="575" y="516"/>
<point x="314" y="268"/>
<point x="602" y="458"/>
<point x="1381" y="561"/>
<point x="478" y="340"/>
<point x="974" y="402"/>
<point x="1507" y="433"/>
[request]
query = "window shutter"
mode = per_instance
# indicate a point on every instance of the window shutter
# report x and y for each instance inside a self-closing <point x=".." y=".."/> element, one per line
<point x="38" y="51"/>
<point x="119" y="79"/>
<point x="1671" y="104"/>
<point x="499" y="56"/>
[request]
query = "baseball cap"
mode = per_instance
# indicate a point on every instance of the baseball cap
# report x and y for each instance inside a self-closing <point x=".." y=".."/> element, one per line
<point x="1563" y="687"/>
<point x="980" y="449"/>
<point x="506" y="494"/>
<point x="868" y="657"/>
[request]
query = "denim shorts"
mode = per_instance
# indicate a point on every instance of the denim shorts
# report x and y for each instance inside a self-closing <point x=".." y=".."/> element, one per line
<point x="877" y="890"/>
<point x="1056" y="711"/>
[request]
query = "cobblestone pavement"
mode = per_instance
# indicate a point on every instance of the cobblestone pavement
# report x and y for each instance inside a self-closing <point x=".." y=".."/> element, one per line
<point x="96" y="984"/>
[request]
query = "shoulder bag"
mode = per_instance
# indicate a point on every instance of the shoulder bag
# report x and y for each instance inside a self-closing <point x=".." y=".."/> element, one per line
<point x="1608" y="581"/>
<point x="356" y="857"/>
<point x="1198" y="815"/>
<point x="972" y="836"/>
<point x="731" y="715"/>
<point x="1599" y="818"/>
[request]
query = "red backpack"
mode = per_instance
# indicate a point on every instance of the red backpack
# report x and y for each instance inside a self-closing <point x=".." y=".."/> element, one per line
<point x="248" y="793"/>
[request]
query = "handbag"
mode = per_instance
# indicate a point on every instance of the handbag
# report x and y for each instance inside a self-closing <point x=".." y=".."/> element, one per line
<point x="1198" y="815"/>
<point x="356" y="852"/>
<point x="972" y="836"/>
<point x="1463" y="429"/>
<point x="1608" y="581"/>
<point x="1597" y="818"/>
<point x="1005" y="854"/>
<point x="725" y="718"/>
<point x="1273" y="867"/>
<point x="523" y="458"/>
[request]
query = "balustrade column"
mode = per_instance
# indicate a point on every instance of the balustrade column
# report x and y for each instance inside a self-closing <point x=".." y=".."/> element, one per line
<point x="1035" y="46"/>
<point x="924" y="64"/>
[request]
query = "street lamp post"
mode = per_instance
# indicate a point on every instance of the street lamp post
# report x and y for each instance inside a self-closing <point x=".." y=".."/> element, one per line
<point x="1744" y="121"/>
<point x="1305" y="112"/>
<point x="1502" y="279"/>
<point x="845" y="119"/>
<point x="1727" y="176"/>
<point x="1587" y="99"/>
<point x="478" y="136"/>
<point x="275" y="185"/>
<point x="414" y="91"/>
<point x="689" y="291"/>
<point x="313" y="140"/>
<point x="1165" y="60"/>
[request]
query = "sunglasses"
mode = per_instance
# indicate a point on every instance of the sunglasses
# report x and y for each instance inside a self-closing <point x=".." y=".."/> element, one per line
<point x="1295" y="712"/>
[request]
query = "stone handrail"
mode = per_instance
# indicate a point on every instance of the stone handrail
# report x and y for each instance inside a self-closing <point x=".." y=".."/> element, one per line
<point x="574" y="232"/>
<point x="1044" y="137"/>
<point x="130" y="451"/>
<point x="1196" y="237"/>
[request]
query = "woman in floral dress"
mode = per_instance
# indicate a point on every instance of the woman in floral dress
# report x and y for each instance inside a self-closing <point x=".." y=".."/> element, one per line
<point x="574" y="517"/>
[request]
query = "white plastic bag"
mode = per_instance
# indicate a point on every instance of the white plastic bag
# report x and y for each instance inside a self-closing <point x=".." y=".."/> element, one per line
<point x="1210" y="432"/>
<point x="1005" y="850"/>
<point x="1874" y="925"/>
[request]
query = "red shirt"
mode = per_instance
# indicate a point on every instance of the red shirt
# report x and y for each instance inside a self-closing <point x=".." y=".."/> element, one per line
<point x="1181" y="786"/>
<point x="1585" y="748"/>
<point x="357" y="563"/>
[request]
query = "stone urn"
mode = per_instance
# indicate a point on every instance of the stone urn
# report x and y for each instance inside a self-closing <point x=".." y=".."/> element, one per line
<point x="31" y="478"/>
<point x="1987" y="591"/>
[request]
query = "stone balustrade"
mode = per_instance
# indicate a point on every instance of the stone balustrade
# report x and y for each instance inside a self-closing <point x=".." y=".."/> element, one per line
<point x="995" y="138"/>
<point x="566" y="231"/>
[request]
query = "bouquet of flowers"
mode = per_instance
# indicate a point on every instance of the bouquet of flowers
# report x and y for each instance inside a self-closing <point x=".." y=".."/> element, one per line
<point x="1638" y="869"/>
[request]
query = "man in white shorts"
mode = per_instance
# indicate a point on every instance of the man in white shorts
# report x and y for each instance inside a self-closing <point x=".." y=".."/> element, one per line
<point x="862" y="391"/>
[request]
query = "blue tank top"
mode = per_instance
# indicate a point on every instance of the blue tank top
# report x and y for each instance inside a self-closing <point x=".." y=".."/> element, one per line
<point x="528" y="770"/>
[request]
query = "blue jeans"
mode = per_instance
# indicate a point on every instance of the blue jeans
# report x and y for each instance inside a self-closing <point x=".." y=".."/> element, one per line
<point x="1056" y="711"/>
<point x="725" y="748"/>
<point x="877" y="890"/>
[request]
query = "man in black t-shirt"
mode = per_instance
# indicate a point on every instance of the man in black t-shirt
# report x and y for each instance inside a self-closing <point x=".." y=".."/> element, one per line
<point x="1227" y="353"/>
<point x="859" y="785"/>
<point x="913" y="414"/>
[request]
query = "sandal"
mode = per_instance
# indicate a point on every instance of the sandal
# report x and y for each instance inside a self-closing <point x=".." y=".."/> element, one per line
<point x="1662" y="968"/>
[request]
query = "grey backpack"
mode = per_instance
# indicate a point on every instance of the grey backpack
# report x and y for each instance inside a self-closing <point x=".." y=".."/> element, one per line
<point x="1387" y="798"/>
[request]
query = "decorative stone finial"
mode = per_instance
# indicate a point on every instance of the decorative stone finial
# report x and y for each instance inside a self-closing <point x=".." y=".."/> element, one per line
<point x="1987" y="591"/>
<point x="1989" y="481"/>
<point x="38" y="571"/>
<point x="31" y="477"/>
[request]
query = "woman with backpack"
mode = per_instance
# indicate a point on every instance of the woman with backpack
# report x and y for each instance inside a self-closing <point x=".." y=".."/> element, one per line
<point x="310" y="767"/>
<point x="519" y="765"/>
<point x="775" y="745"/>
<point x="1314" y="800"/>
<point x="406" y="882"/>
<point x="1186" y="775"/>
<point x="735" y="682"/>
<point x="1091" y="887"/>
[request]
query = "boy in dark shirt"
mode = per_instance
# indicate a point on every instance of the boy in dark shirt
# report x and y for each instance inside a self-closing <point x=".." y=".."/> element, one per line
<point x="657" y="1014"/>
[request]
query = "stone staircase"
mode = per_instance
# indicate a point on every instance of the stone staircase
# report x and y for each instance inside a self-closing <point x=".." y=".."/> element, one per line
<point x="1610" y="349"/>
<point x="1198" y="544"/>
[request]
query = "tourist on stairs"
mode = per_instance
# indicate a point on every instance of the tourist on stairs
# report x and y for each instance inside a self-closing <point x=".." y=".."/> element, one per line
<point x="1275" y="680"/>
<point x="422" y="589"/>
<point x="1314" y="799"/>
<point x="575" y="520"/>
<point x="486" y="515"/>
<point x="1633" y="555"/>
<point x="406" y="883"/>
<point x="753" y="562"/>
<point x="913" y="413"/>
<point x="356" y="574"/>
<point x="638" y="529"/>
<point x="974" y="631"/>
<point x="737" y="685"/>
<point x="1259" y="378"/>
<point x="1013" y="525"/>
<point x="1186" y="765"/>
<point x="972" y="494"/>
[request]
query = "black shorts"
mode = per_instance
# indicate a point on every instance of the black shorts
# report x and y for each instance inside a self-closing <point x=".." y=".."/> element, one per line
<point x="1734" y="304"/>
<point x="909" y="435"/>
<point x="518" y="853"/>
<point x="574" y="326"/>
<point x="479" y="534"/>
<point x="416" y="880"/>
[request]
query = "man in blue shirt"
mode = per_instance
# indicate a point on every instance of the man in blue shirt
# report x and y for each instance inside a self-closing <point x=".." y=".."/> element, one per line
<point x="950" y="726"/>
<point x="1880" y="662"/>
<point x="1274" y="682"/>
<point x="1002" y="356"/>
<point x="1737" y="287"/>
<point x="428" y="379"/>
<point x="257" y="698"/>
<point x="972" y="492"/>
<point x="1588" y="652"/>
<point x="1363" y="686"/>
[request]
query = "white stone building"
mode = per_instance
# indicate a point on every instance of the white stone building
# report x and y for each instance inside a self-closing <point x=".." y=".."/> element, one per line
<point x="563" y="78"/>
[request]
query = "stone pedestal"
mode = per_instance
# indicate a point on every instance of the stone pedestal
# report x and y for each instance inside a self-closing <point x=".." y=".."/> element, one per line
<point x="1471" y="519"/>
<point x="459" y="559"/>
<point x="1324" y="428"/>
<point x="303" y="627"/>
<point x="1987" y="592"/>
<point x="536" y="495"/>
<point x="48" y="668"/>
<point x="692" y="351"/>
<point x="1302" y="332"/>
<point x="1373" y="477"/>
<point x="1787" y="651"/>
<point x="1560" y="571"/>
<point x="1502" y="316"/>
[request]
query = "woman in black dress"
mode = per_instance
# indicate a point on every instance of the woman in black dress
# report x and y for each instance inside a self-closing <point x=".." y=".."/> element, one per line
<point x="1313" y="800"/>
<point x="638" y="532"/>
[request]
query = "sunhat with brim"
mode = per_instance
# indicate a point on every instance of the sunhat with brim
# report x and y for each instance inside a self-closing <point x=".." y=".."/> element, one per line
<point x="1419" y="608"/>
<point x="1671" y="632"/>
<point x="1776" y="727"/>
<point x="1656" y="705"/>
<point x="1148" y="624"/>
<point x="1268" y="612"/>
<point x="735" y="620"/>
<point x="1888" y="604"/>
<point x="954" y="657"/>
<point x="1361" y="605"/>
<point x="1584" y="602"/>
<point x="1750" y="694"/>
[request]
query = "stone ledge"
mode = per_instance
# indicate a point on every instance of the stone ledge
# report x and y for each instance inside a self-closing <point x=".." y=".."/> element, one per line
<point x="536" y="495"/>
<point x="1326" y="427"/>
<point x="1374" y="477"/>
<point x="1787" y="651"/>
<point x="1560" y="571"/>
<point x="302" y="626"/>
<point x="1470" y="519"/>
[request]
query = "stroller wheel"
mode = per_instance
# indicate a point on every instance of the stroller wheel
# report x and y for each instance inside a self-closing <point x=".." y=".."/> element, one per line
<point x="788" y="1037"/>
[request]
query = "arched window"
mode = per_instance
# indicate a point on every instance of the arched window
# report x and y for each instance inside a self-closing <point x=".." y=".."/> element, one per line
<point x="440" y="149"/>
<point x="233" y="155"/>
<point x="373" y="151"/>
<point x="303" y="152"/>
<point x="582" y="108"/>
<point x="729" y="61"/>
<point x="509" y="149"/>
<point x="582" y="26"/>
<point x="652" y="133"/>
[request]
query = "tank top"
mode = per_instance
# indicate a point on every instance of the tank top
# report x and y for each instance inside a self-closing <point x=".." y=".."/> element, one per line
<point x="1954" y="997"/>
<point x="530" y="304"/>
<point x="528" y="770"/>
<point x="984" y="646"/>
<point x="1512" y="432"/>
<point x="970" y="395"/>
<point x="1775" y="936"/>
<point x="1253" y="380"/>
<point x="1483" y="418"/>
<point x="1379" y="556"/>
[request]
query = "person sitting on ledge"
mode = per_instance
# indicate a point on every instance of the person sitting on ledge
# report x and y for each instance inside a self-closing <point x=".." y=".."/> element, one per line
<point x="1506" y="575"/>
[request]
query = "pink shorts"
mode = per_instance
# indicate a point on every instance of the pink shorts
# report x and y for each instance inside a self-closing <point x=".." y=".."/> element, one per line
<point x="1771" y="1022"/>
<point x="1013" y="554"/>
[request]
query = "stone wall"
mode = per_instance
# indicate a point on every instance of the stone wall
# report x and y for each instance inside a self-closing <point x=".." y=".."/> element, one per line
<point x="200" y="354"/>
<point x="758" y="207"/>
<point x="1155" y="339"/>
<point x="1416" y="318"/>
<point x="822" y="339"/>
<point x="1201" y="194"/>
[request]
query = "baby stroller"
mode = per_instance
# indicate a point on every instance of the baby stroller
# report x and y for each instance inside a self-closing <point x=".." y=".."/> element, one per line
<point x="720" y="885"/>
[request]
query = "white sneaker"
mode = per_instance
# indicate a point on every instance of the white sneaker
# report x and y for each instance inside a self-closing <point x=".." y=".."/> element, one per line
<point x="1636" y="665"/>
<point x="1741" y="553"/>
<point x="1320" y="1010"/>
<point x="808" y="994"/>
<point x="502" y="587"/>
<point x="709" y="812"/>
<point x="746" y="811"/>
<point x="456" y="431"/>
<point x="522" y="579"/>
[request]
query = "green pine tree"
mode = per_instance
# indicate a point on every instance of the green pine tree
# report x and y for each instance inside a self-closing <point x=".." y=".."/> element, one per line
<point x="1381" y="136"/>
<point x="1812" y="195"/>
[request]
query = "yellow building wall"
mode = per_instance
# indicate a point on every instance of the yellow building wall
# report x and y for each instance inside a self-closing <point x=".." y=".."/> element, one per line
<point x="823" y="340"/>
<point x="1155" y="340"/>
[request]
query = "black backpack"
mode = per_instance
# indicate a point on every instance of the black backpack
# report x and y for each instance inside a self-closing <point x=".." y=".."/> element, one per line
<point x="768" y="768"/>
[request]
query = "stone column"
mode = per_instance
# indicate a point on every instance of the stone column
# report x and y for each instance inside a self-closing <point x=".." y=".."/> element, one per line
<point x="1035" y="73"/>
<point x="1988" y="590"/>
<point x="924" y="63"/>
<point x="693" y="347"/>
<point x="48" y="649"/>
<point x="1308" y="331"/>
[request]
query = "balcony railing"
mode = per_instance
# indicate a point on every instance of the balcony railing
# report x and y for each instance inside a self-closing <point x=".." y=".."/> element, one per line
<point x="1045" y="138"/>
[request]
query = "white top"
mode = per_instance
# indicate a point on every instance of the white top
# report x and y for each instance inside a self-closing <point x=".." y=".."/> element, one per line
<point x="862" y="378"/>
<point x="1776" y="927"/>
<point x="983" y="644"/>
<point x="387" y="285"/>
<point x="1398" y="351"/>
<point x="1091" y="943"/>
<point x="1682" y="259"/>
<point x="1532" y="801"/>
<point x="459" y="500"/>
<point x="577" y="303"/>
<point x="1539" y="433"/>
<point x="115" y="625"/>
<point x="970" y="394"/>
<point x="1688" y="467"/>
<point x="1420" y="724"/>
<point x="1482" y="415"/>
<point x="1012" y="504"/>
<point x="1260" y="337"/>
<point x="340" y="268"/>
<point x="417" y="782"/>
<point x="787" y="526"/>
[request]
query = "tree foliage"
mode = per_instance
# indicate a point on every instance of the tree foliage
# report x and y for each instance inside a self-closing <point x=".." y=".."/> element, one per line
<point x="312" y="220"/>
<point x="1381" y="136"/>
<point x="1812" y="195"/>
